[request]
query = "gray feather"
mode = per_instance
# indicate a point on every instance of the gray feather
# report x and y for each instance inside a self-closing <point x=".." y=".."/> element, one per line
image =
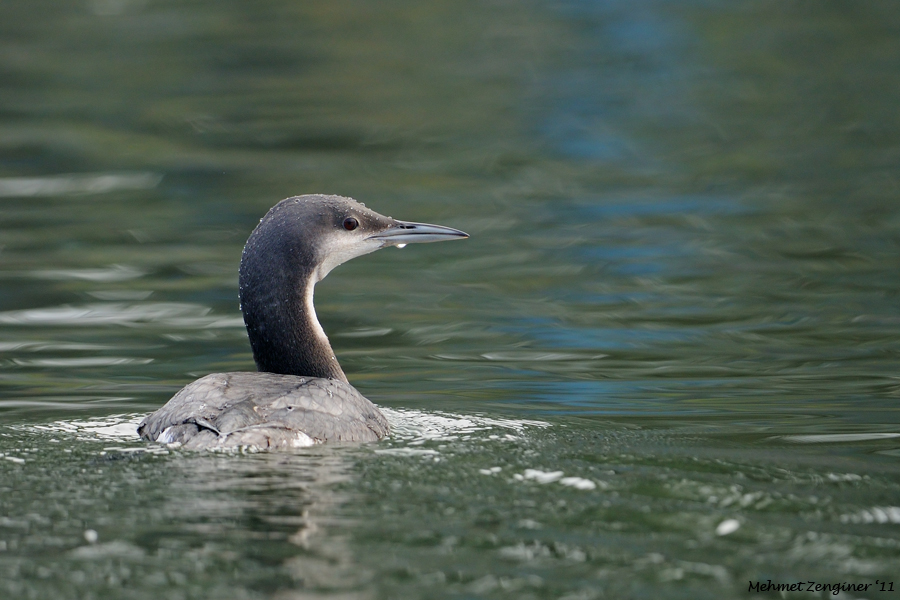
<point x="265" y="410"/>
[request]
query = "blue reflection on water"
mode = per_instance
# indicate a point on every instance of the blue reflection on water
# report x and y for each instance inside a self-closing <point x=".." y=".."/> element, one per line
<point x="633" y="68"/>
<point x="550" y="334"/>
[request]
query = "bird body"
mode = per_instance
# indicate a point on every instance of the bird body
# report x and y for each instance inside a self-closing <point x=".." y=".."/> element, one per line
<point x="265" y="410"/>
<point x="300" y="396"/>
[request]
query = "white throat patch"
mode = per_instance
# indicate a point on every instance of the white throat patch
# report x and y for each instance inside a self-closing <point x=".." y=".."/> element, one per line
<point x="339" y="249"/>
<point x="311" y="313"/>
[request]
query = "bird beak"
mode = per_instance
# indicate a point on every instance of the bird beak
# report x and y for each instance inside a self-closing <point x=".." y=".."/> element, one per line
<point x="404" y="232"/>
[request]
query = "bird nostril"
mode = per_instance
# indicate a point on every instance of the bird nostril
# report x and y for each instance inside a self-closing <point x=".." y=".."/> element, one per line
<point x="350" y="223"/>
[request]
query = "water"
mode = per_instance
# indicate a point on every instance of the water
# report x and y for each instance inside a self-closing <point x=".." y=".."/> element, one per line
<point x="664" y="365"/>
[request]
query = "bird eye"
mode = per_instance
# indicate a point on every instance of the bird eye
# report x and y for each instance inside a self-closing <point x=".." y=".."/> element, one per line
<point x="350" y="223"/>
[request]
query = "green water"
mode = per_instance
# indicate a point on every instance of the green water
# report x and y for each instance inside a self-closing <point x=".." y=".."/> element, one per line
<point x="663" y="366"/>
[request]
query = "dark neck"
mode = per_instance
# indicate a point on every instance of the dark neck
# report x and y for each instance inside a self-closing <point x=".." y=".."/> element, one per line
<point x="284" y="332"/>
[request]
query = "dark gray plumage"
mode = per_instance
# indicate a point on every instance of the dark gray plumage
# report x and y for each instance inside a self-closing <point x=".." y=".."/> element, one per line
<point x="301" y="396"/>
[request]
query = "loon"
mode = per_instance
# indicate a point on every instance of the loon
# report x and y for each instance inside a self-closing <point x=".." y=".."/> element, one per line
<point x="299" y="396"/>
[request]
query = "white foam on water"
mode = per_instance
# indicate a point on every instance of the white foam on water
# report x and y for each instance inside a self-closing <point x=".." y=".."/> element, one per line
<point x="541" y="476"/>
<point x="412" y="429"/>
<point x="579" y="483"/>
<point x="416" y="426"/>
<point x="121" y="428"/>
<point x="545" y="477"/>
<point x="876" y="514"/>
<point x="728" y="526"/>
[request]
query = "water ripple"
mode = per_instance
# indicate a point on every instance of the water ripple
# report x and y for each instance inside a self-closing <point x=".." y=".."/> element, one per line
<point x="172" y="314"/>
<point x="110" y="273"/>
<point x="837" y="438"/>
<point x="76" y="184"/>
<point x="88" y="361"/>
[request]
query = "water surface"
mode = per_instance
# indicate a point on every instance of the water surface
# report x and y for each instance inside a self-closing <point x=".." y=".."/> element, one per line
<point x="664" y="364"/>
